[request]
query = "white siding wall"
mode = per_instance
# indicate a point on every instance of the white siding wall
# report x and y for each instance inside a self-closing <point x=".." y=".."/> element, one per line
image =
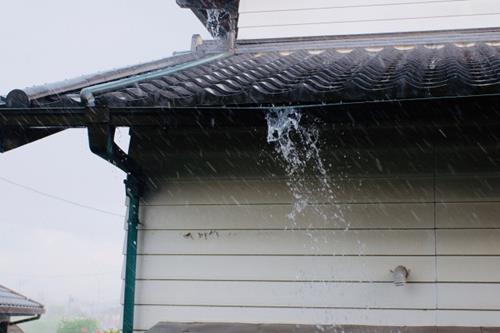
<point x="216" y="244"/>
<point x="298" y="18"/>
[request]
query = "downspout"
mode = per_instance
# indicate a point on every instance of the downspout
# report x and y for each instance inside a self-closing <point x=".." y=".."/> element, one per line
<point x="133" y="189"/>
<point x="101" y="141"/>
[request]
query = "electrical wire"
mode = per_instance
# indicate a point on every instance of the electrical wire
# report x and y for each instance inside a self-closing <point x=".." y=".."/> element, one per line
<point x="54" y="197"/>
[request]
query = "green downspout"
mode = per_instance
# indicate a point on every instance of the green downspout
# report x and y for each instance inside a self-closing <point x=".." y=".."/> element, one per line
<point x="101" y="141"/>
<point x="133" y="193"/>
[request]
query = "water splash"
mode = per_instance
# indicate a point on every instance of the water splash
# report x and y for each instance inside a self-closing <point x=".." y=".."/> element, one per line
<point x="214" y="22"/>
<point x="299" y="148"/>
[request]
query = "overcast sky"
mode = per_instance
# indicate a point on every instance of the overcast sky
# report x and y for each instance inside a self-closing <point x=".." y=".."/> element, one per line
<point x="51" y="249"/>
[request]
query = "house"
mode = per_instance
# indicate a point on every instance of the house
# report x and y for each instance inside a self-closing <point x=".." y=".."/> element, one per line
<point x="12" y="305"/>
<point x="317" y="167"/>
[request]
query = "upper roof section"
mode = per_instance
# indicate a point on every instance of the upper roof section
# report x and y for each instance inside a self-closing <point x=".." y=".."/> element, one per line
<point x="218" y="16"/>
<point x="264" y="19"/>
<point x="15" y="304"/>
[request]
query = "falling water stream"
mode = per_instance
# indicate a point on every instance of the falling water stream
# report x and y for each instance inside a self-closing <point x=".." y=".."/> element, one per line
<point x="214" y="22"/>
<point x="299" y="147"/>
<point x="297" y="143"/>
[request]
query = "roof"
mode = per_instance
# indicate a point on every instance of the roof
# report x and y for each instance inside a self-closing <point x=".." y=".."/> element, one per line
<point x="15" y="304"/>
<point x="325" y="71"/>
<point x="325" y="75"/>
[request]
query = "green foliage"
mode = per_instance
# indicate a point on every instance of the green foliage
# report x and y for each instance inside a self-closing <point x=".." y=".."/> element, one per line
<point x="44" y="325"/>
<point x="84" y="325"/>
<point x="112" y="331"/>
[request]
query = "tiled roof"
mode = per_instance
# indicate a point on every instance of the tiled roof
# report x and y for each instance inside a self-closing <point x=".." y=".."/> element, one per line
<point x="320" y="75"/>
<point x="14" y="304"/>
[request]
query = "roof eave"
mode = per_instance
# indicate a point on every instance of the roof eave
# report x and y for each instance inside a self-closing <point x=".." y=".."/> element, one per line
<point x="13" y="311"/>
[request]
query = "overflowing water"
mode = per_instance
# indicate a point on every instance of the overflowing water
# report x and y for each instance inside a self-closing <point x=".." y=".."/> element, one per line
<point x="297" y="143"/>
<point x="299" y="147"/>
<point x="214" y="22"/>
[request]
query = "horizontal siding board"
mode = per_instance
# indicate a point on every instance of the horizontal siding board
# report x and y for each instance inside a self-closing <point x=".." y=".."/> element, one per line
<point x="458" y="296"/>
<point x="251" y="139"/>
<point x="269" y="242"/>
<point x="468" y="162"/>
<point x="468" y="188"/>
<point x="469" y="269"/>
<point x="265" y="163"/>
<point x="148" y="316"/>
<point x="266" y="191"/>
<point x="469" y="296"/>
<point x="468" y="242"/>
<point x="282" y="5"/>
<point x="468" y="215"/>
<point x="273" y="268"/>
<point x="285" y="294"/>
<point x="233" y="153"/>
<point x="400" y="11"/>
<point x="281" y="19"/>
<point x="341" y="269"/>
<point x="375" y="216"/>
<point x="249" y="328"/>
<point x="470" y="318"/>
<point x="353" y="28"/>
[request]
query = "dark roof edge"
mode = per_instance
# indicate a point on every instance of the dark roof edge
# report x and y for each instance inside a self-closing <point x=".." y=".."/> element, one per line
<point x="23" y="97"/>
<point x="21" y="311"/>
<point x="35" y="309"/>
<point x="370" y="40"/>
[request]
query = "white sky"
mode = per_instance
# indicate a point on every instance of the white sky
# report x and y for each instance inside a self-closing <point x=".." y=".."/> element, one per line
<point x="49" y="249"/>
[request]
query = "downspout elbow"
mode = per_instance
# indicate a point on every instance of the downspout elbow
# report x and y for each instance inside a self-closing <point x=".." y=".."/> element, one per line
<point x="101" y="143"/>
<point x="87" y="97"/>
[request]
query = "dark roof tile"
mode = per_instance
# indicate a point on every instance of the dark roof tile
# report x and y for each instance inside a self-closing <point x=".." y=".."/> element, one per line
<point x="15" y="304"/>
<point x="323" y="75"/>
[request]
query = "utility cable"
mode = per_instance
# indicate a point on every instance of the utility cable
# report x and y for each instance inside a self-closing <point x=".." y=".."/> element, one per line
<point x="54" y="197"/>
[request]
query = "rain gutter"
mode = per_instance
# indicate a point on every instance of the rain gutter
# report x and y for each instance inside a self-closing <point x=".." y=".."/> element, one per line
<point x="101" y="141"/>
<point x="22" y="321"/>
<point x="87" y="95"/>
